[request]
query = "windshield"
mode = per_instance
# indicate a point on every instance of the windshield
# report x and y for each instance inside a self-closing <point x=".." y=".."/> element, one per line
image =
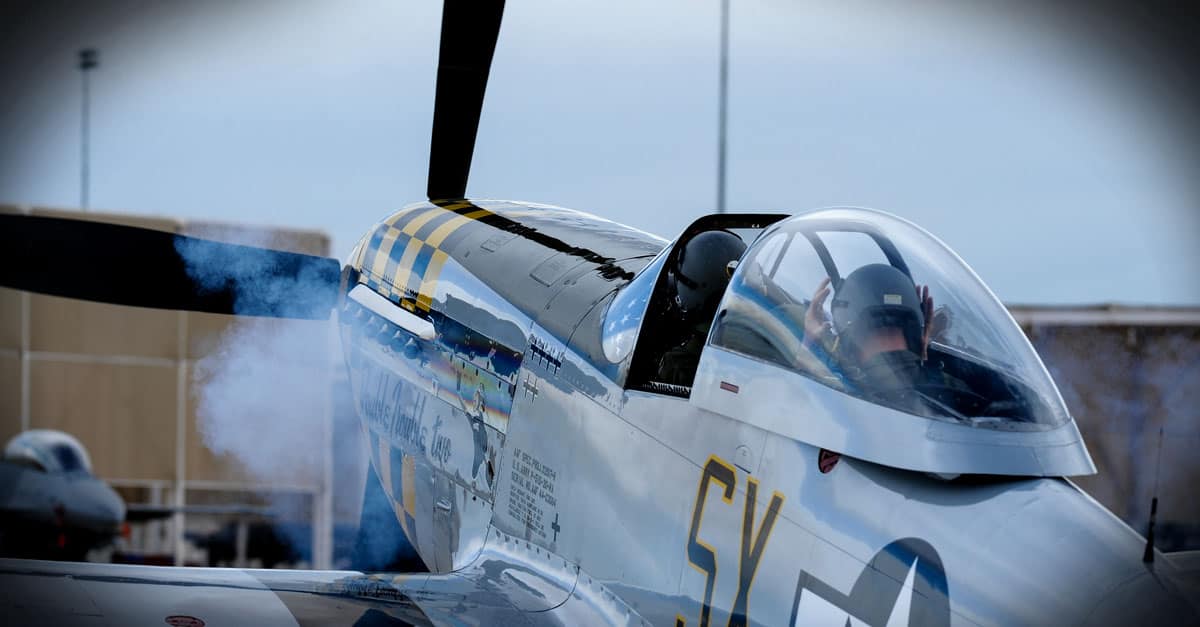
<point x="873" y="306"/>
<point x="623" y="318"/>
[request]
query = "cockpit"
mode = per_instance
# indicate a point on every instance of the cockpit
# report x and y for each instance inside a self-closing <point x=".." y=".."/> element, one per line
<point x="855" y="330"/>
<point x="873" y="307"/>
<point x="48" y="451"/>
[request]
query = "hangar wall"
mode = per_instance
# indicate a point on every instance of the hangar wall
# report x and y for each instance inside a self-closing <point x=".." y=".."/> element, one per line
<point x="1127" y="373"/>
<point x="121" y="380"/>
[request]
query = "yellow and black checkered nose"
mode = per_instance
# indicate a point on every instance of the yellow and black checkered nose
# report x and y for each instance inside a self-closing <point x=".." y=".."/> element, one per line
<point x="403" y="258"/>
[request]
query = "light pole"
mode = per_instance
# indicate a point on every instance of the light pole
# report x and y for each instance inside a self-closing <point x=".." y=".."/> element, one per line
<point x="88" y="59"/>
<point x="723" y="96"/>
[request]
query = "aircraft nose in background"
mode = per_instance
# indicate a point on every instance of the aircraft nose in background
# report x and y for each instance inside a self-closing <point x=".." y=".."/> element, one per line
<point x="94" y="505"/>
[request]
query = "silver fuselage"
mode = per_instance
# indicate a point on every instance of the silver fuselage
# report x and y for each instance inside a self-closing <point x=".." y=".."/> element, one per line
<point x="646" y="503"/>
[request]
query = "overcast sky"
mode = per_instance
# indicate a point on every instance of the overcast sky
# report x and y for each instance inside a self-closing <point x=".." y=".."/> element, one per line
<point x="1059" y="160"/>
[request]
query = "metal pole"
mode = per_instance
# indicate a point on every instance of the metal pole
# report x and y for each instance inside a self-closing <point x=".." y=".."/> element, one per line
<point x="721" y="106"/>
<point x="88" y="59"/>
<point x="26" y="370"/>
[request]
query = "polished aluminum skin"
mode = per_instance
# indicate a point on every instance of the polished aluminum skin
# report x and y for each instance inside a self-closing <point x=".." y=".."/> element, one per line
<point x="721" y="507"/>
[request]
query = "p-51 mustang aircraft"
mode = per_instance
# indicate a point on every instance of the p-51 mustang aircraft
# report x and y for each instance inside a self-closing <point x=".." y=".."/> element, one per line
<point x="765" y="421"/>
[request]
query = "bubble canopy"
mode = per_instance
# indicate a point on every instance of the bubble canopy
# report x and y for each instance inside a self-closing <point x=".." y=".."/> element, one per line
<point x="856" y="331"/>
<point x="903" y="322"/>
<point x="48" y="451"/>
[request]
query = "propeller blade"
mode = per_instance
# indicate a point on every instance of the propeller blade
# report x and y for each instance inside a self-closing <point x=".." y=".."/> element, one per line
<point x="469" y="32"/>
<point x="126" y="265"/>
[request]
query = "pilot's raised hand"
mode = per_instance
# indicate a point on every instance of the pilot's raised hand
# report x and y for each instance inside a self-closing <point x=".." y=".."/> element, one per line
<point x="816" y="324"/>
<point x="927" y="311"/>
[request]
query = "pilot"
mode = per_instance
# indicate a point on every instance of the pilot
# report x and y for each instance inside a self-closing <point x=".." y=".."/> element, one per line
<point x="696" y="281"/>
<point x="880" y="332"/>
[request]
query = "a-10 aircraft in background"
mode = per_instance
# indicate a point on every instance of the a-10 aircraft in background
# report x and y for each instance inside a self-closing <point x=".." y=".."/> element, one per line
<point x="818" y="419"/>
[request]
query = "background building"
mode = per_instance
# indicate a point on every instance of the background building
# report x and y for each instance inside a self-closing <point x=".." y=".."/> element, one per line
<point x="1127" y="374"/>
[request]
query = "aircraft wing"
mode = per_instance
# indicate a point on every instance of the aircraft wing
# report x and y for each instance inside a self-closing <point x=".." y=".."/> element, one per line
<point x="1185" y="575"/>
<point x="141" y="512"/>
<point x="63" y="593"/>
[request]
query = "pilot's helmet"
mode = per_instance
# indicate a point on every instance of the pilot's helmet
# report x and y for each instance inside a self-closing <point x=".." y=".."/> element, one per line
<point x="700" y="273"/>
<point x="878" y="296"/>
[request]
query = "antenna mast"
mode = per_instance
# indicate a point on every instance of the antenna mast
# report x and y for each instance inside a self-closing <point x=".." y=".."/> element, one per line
<point x="1148" y="554"/>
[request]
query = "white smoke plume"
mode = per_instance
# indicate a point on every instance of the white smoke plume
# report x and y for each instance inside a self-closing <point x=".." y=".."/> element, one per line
<point x="264" y="388"/>
<point x="264" y="398"/>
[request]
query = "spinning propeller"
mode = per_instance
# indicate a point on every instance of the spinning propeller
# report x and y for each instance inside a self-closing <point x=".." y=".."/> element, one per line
<point x="127" y="265"/>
